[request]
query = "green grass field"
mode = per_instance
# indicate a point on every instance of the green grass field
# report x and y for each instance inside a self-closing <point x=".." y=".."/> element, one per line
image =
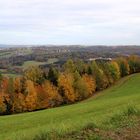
<point x="11" y="75"/>
<point x="52" y="60"/>
<point x="69" y="118"/>
<point x="5" y="73"/>
<point x="28" y="64"/>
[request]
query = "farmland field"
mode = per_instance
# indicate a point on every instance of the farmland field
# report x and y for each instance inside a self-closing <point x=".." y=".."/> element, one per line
<point x="28" y="64"/>
<point x="6" y="73"/>
<point x="9" y="53"/>
<point x="32" y="63"/>
<point x="52" y="60"/>
<point x="69" y="118"/>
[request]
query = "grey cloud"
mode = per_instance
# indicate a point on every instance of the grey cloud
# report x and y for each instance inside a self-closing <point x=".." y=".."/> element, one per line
<point x="63" y="21"/>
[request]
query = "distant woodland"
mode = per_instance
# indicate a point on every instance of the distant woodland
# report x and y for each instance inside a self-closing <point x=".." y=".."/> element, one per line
<point x="14" y="59"/>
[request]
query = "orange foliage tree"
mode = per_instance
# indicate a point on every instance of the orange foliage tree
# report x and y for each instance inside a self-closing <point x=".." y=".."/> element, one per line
<point x="2" y="104"/>
<point x="65" y="83"/>
<point x="53" y="97"/>
<point x="31" y="97"/>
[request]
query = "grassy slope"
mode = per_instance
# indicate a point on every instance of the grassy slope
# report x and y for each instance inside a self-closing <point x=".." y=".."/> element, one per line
<point x="73" y="117"/>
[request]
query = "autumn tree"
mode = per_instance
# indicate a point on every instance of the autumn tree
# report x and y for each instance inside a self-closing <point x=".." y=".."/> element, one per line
<point x="10" y="91"/>
<point x="18" y="104"/>
<point x="65" y="84"/>
<point x="5" y="100"/>
<point x="80" y="86"/>
<point x="134" y="64"/>
<point x="124" y="66"/>
<point x="2" y="104"/>
<point x="23" y="85"/>
<point x="42" y="97"/>
<point x="69" y="66"/>
<point x="99" y="75"/>
<point x="17" y="85"/>
<point x="8" y="103"/>
<point x="31" y="97"/>
<point x="112" y="71"/>
<point x="53" y="97"/>
<point x="90" y="84"/>
<point x="34" y="74"/>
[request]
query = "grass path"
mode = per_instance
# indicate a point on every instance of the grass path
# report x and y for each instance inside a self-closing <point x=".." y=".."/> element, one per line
<point x="73" y="117"/>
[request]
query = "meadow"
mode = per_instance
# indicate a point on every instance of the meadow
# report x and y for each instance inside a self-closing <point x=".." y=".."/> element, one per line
<point x="28" y="64"/>
<point x="97" y="109"/>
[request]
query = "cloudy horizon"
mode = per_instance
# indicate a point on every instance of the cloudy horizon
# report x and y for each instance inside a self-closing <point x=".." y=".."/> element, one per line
<point x="86" y="22"/>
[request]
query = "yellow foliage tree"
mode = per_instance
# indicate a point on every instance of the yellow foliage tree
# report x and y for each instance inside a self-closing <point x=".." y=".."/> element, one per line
<point x="124" y="66"/>
<point x="17" y="85"/>
<point x="34" y="74"/>
<point x="90" y="84"/>
<point x="65" y="83"/>
<point x="19" y="103"/>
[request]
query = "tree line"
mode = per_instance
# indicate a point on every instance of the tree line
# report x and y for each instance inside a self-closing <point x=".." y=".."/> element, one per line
<point x="78" y="80"/>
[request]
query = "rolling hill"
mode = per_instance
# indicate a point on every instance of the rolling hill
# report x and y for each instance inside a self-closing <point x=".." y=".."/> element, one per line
<point x="70" y="118"/>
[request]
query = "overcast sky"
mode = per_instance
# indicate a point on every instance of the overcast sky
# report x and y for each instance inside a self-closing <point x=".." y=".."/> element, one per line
<point x="110" y="22"/>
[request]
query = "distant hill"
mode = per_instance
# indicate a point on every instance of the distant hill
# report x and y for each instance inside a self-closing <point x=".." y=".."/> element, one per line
<point x="4" y="46"/>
